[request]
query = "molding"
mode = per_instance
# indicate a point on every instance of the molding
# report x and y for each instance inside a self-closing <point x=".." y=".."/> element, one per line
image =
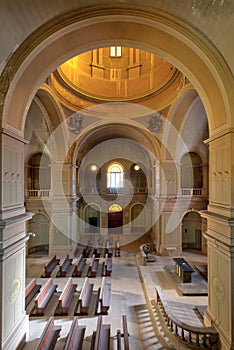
<point x="13" y="220"/>
<point x="225" y="219"/>
<point x="13" y="135"/>
<point x="17" y="335"/>
<point x="219" y="135"/>
<point x="187" y="34"/>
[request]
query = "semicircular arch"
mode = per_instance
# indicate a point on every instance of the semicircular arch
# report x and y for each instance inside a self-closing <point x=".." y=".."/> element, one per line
<point x="148" y="29"/>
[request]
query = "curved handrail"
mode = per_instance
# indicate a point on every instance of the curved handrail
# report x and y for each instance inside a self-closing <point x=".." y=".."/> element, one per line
<point x="199" y="336"/>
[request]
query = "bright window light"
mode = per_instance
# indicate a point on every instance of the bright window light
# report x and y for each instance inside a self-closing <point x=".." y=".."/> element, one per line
<point x="115" y="51"/>
<point x="115" y="176"/>
<point x="115" y="208"/>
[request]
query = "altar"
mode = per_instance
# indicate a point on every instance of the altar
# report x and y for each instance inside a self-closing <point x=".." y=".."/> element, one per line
<point x="183" y="270"/>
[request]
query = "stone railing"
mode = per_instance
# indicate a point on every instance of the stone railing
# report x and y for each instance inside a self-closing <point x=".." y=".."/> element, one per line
<point x="113" y="191"/>
<point x="201" y="337"/>
<point x="191" y="192"/>
<point x="38" y="193"/>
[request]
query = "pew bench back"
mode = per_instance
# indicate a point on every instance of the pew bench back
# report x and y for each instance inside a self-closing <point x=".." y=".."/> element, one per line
<point x="44" y="296"/>
<point x="76" y="336"/>
<point x="49" y="336"/>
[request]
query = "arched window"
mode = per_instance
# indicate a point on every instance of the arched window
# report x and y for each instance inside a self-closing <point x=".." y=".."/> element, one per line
<point x="115" y="176"/>
<point x="114" y="208"/>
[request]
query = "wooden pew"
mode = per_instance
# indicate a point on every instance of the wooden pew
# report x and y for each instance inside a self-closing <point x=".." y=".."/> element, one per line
<point x="107" y="266"/>
<point x="86" y="251"/>
<point x="65" y="298"/>
<point x="123" y="335"/>
<point x="98" y="249"/>
<point x="64" y="268"/>
<point x="79" y="266"/>
<point x="108" y="248"/>
<point x="49" y="336"/>
<point x="44" y="296"/>
<point x="50" y="266"/>
<point x="84" y="298"/>
<point x="104" y="297"/>
<point x="31" y="290"/>
<point x="117" y="248"/>
<point x="75" y="337"/>
<point x="101" y="337"/>
<point x="93" y="267"/>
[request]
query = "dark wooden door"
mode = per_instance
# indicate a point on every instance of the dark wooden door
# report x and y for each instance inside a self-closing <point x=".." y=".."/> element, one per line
<point x="115" y="221"/>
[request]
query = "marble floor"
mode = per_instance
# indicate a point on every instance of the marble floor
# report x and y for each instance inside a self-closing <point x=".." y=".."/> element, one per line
<point x="132" y="294"/>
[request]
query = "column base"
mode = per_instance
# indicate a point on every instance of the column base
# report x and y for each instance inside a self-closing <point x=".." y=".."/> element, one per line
<point x="17" y="337"/>
<point x="224" y="342"/>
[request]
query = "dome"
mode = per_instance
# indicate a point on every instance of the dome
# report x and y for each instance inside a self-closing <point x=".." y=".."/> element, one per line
<point x="116" y="74"/>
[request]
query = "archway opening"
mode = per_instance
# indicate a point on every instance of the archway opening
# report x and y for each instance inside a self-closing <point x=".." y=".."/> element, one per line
<point x="39" y="175"/>
<point x="115" y="219"/>
<point x="192" y="231"/>
<point x="92" y="219"/>
<point x="137" y="218"/>
<point x="38" y="229"/>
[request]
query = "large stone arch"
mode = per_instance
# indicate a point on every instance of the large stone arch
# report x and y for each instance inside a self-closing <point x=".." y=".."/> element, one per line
<point x="92" y="137"/>
<point x="152" y="30"/>
<point x="191" y="52"/>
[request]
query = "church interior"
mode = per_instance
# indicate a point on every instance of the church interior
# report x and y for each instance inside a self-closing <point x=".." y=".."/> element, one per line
<point x="117" y="175"/>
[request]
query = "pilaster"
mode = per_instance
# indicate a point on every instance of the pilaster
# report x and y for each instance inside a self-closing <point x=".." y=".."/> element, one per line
<point x="220" y="239"/>
<point x="62" y="209"/>
<point x="13" y="238"/>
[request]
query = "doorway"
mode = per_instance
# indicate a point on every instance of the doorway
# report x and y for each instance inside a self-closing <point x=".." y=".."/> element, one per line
<point x="115" y="219"/>
<point x="192" y="231"/>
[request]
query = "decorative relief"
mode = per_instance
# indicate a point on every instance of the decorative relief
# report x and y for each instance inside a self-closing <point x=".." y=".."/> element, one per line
<point x="226" y="176"/>
<point x="14" y="291"/>
<point x="218" y="288"/>
<point x="75" y="123"/>
<point x="5" y="81"/>
<point x="6" y="176"/>
<point x="220" y="176"/>
<point x="12" y="177"/>
<point x="155" y="123"/>
<point x="171" y="181"/>
<point x="213" y="177"/>
<point x="218" y="8"/>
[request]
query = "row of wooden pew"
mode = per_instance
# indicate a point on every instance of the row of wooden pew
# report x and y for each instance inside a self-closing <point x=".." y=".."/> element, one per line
<point x="63" y="268"/>
<point x="74" y="341"/>
<point x="97" y="248"/>
<point x="79" y="266"/>
<point x="42" y="296"/>
<point x="101" y="336"/>
<point x="106" y="266"/>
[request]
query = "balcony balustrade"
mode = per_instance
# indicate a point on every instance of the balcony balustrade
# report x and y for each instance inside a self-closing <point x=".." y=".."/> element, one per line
<point x="191" y="192"/>
<point x="38" y="193"/>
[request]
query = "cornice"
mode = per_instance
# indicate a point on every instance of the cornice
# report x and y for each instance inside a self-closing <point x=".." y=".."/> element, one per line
<point x="75" y="91"/>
